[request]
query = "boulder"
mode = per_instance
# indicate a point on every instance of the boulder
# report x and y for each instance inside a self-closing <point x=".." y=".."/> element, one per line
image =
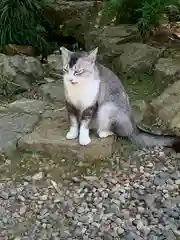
<point x="53" y="91"/>
<point x="136" y="57"/>
<point x="60" y="11"/>
<point x="111" y="35"/>
<point x="79" y="16"/>
<point x="49" y="138"/>
<point x="167" y="71"/>
<point x="12" y="127"/>
<point x="109" y="40"/>
<point x="54" y="66"/>
<point x="164" y="111"/>
<point x="19" y="73"/>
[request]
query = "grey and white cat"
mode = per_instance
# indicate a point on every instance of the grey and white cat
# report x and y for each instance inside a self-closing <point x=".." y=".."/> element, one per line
<point x="95" y="95"/>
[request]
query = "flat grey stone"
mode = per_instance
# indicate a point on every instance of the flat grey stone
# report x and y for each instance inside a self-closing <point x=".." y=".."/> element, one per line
<point x="50" y="138"/>
<point x="28" y="105"/>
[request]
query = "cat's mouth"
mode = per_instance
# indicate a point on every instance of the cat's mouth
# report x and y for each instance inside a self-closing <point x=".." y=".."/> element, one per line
<point x="73" y="82"/>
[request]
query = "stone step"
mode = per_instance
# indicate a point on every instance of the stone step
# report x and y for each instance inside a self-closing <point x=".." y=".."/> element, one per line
<point x="49" y="138"/>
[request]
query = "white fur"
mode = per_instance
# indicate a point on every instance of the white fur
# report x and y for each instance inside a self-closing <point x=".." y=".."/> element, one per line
<point x="73" y="131"/>
<point x="84" y="138"/>
<point x="83" y="94"/>
<point x="105" y="133"/>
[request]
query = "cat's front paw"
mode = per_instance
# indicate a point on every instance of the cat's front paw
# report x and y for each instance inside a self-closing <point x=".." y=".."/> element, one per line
<point x="84" y="140"/>
<point x="72" y="134"/>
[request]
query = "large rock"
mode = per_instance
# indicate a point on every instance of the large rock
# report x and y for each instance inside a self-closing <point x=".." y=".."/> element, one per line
<point x="19" y="73"/>
<point x="109" y="40"/>
<point x="12" y="127"/>
<point x="109" y="36"/>
<point x="54" y="66"/>
<point x="60" y="11"/>
<point x="49" y="138"/>
<point x="53" y="91"/>
<point x="78" y="16"/>
<point x="136" y="57"/>
<point x="164" y="111"/>
<point x="167" y="70"/>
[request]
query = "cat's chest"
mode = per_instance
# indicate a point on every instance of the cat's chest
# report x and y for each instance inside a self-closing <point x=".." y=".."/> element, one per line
<point x="82" y="95"/>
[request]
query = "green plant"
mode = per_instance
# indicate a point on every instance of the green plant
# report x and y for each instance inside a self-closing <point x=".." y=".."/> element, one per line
<point x="147" y="14"/>
<point x="152" y="12"/>
<point x="124" y="11"/>
<point x="22" y="22"/>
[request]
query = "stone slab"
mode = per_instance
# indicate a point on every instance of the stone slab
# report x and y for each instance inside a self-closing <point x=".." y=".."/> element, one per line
<point x="49" y="138"/>
<point x="27" y="105"/>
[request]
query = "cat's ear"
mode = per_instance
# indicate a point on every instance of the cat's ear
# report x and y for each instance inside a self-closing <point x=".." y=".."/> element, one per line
<point x="65" y="54"/>
<point x="92" y="55"/>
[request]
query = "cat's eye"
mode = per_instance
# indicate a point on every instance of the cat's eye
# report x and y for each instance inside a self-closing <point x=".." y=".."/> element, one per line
<point x="78" y="72"/>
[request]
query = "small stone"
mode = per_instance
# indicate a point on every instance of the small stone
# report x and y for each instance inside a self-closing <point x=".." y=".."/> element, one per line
<point x="65" y="234"/>
<point x="141" y="169"/>
<point x="80" y="210"/>
<point x="69" y="214"/>
<point x="22" y="210"/>
<point x="120" y="230"/>
<point x="44" y="225"/>
<point x="91" y="178"/>
<point x="21" y="198"/>
<point x="107" y="236"/>
<point x="150" y="165"/>
<point x="177" y="182"/>
<point x="141" y="210"/>
<point x="37" y="176"/>
<point x="4" y="195"/>
<point x="43" y="197"/>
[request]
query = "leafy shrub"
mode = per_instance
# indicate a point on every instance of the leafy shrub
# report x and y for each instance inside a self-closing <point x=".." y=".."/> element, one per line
<point x="22" y="22"/>
<point x="147" y="14"/>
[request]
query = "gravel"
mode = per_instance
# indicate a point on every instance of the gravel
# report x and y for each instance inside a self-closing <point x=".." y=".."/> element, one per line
<point x="137" y="199"/>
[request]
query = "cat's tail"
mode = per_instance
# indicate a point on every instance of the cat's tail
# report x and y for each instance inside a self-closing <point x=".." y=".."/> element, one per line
<point x="147" y="140"/>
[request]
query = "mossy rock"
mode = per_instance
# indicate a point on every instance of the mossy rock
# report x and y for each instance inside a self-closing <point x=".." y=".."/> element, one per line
<point x="162" y="115"/>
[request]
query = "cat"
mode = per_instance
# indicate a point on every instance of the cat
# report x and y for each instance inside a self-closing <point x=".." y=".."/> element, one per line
<point x="95" y="95"/>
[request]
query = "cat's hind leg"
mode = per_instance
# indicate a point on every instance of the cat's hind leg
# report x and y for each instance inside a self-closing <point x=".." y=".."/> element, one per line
<point x="104" y="120"/>
<point x="111" y="120"/>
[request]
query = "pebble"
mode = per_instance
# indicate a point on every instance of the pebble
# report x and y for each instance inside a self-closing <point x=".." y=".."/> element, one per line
<point x="22" y="210"/>
<point x="43" y="197"/>
<point x="37" y="176"/>
<point x="120" y="230"/>
<point x="177" y="182"/>
<point x="4" y="195"/>
<point x="21" y="198"/>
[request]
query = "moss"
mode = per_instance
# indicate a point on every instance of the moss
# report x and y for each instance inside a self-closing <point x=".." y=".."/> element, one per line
<point x="142" y="86"/>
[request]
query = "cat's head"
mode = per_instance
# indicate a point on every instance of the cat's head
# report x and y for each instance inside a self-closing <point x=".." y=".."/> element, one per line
<point x="78" y="66"/>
